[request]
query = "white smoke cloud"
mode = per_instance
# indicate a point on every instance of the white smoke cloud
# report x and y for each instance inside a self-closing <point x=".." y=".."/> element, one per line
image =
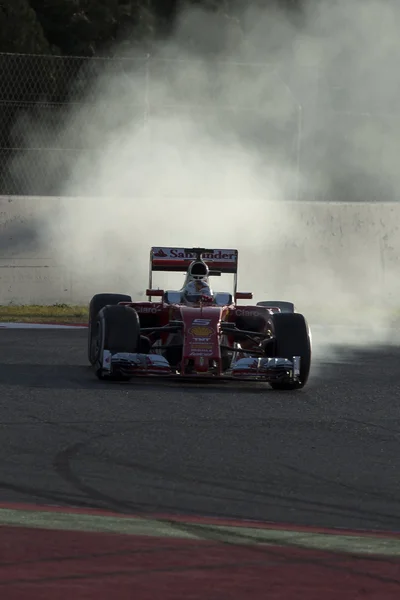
<point x="208" y="141"/>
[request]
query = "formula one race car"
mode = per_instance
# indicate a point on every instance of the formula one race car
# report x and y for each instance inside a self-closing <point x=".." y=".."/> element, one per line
<point x="194" y="332"/>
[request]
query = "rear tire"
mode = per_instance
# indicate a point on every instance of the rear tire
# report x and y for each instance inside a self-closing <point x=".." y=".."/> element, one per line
<point x="292" y="338"/>
<point x="117" y="330"/>
<point x="98" y="302"/>
<point x="286" y="307"/>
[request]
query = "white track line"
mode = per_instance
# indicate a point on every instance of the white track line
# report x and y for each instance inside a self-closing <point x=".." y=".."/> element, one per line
<point x="40" y="326"/>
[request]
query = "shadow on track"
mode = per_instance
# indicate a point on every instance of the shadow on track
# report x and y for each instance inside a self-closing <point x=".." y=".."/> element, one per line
<point x="83" y="377"/>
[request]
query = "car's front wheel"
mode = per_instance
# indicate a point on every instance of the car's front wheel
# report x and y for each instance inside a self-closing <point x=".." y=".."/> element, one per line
<point x="117" y="329"/>
<point x="292" y="337"/>
<point x="98" y="302"/>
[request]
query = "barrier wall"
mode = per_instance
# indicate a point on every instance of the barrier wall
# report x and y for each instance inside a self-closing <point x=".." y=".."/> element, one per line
<point x="303" y="242"/>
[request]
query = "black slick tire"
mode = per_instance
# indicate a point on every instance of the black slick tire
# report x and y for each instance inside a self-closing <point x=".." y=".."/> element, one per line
<point x="98" y="302"/>
<point x="292" y="338"/>
<point x="117" y="329"/>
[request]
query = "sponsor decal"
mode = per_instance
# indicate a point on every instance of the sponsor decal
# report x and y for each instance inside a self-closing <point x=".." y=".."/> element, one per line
<point x="201" y="331"/>
<point x="217" y="255"/>
<point x="201" y="322"/>
<point x="180" y="254"/>
<point x="200" y="352"/>
<point x="106" y="364"/>
<point x="148" y="309"/>
<point x="202" y="346"/>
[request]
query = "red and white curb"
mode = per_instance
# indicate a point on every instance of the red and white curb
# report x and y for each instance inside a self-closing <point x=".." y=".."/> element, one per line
<point x="235" y="532"/>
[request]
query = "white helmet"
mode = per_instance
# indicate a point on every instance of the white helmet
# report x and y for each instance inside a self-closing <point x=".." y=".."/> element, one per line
<point x="197" y="270"/>
<point x="197" y="288"/>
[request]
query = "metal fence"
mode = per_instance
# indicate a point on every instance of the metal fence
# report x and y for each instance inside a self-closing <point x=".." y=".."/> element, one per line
<point x="39" y="142"/>
<point x="48" y="104"/>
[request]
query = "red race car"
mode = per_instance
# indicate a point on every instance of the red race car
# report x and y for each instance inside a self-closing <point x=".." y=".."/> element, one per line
<point x="196" y="332"/>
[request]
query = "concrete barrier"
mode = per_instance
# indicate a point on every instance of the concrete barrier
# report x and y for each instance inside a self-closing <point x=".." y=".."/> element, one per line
<point x="304" y="243"/>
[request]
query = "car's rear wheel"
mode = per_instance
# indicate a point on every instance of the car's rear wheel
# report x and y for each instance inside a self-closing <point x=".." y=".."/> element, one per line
<point x="292" y="338"/>
<point x="98" y="302"/>
<point x="117" y="329"/>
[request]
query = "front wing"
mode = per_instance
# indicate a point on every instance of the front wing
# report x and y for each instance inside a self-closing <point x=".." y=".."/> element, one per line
<point x="259" y="369"/>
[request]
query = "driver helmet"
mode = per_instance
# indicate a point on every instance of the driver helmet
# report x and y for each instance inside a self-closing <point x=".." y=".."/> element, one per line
<point x="198" y="270"/>
<point x="197" y="291"/>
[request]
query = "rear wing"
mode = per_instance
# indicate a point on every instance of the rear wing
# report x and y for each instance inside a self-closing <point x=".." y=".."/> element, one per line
<point x="178" y="260"/>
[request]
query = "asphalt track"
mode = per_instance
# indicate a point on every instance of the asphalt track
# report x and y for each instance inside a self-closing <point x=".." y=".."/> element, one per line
<point x="327" y="456"/>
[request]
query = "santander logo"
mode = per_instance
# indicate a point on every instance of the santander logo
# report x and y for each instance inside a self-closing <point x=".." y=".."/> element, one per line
<point x="180" y="254"/>
<point x="160" y="253"/>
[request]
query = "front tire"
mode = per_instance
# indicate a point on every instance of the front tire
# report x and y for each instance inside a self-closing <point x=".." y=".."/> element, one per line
<point x="117" y="330"/>
<point x="292" y="338"/>
<point x="98" y="302"/>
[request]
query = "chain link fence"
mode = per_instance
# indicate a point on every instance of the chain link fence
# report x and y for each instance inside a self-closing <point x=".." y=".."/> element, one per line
<point x="48" y="104"/>
<point x="39" y="141"/>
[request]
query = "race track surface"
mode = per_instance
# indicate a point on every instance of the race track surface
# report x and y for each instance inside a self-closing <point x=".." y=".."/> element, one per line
<point x="328" y="455"/>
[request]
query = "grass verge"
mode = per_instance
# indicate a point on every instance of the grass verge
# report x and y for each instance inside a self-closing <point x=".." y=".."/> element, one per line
<point x="58" y="313"/>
